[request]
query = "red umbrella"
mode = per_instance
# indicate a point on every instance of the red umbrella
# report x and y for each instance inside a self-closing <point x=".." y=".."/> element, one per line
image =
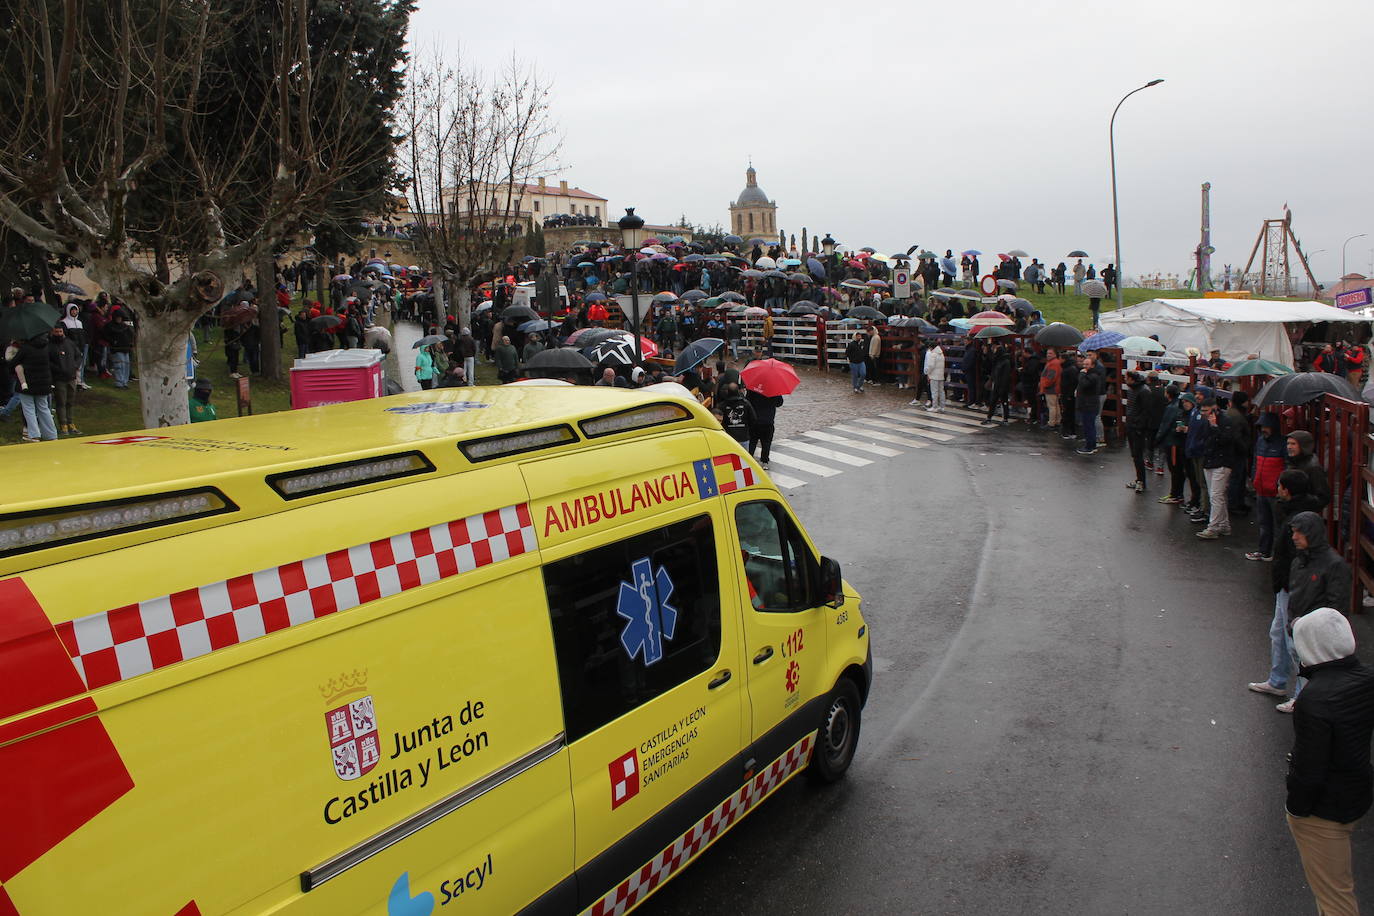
<point x="1004" y="257"/>
<point x="239" y="313"/>
<point x="769" y="377"/>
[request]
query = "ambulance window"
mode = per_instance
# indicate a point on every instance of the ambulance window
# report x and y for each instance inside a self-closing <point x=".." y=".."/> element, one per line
<point x="632" y="620"/>
<point x="776" y="558"/>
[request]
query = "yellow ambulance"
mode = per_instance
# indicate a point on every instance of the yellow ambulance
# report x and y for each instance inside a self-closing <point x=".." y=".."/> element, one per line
<point x="479" y="650"/>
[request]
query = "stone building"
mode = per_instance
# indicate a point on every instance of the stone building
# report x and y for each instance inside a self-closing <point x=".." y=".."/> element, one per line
<point x="753" y="214"/>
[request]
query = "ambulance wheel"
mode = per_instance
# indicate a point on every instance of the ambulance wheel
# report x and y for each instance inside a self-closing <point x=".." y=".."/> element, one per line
<point x="838" y="737"/>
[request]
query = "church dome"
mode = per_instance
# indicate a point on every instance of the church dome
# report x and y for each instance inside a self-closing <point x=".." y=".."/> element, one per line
<point x="752" y="195"/>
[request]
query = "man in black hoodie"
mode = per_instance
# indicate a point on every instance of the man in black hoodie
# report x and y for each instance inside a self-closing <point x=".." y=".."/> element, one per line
<point x="1319" y="577"/>
<point x="1292" y="499"/>
<point x="1329" y="775"/>
<point x="736" y="414"/>
<point x="1300" y="455"/>
<point x="761" y="430"/>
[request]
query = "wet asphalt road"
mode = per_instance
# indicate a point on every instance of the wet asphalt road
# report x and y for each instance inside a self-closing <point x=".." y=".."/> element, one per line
<point x="1059" y="721"/>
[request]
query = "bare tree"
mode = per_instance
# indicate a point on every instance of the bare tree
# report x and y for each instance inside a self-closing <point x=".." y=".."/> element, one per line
<point x="160" y="144"/>
<point x="473" y="141"/>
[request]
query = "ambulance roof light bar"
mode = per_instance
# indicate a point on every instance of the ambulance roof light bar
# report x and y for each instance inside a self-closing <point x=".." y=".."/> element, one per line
<point x="529" y="440"/>
<point x="331" y="477"/>
<point x="634" y="418"/>
<point x="21" y="532"/>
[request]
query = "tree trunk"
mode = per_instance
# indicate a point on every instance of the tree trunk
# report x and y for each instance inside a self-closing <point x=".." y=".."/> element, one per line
<point x="463" y="301"/>
<point x="161" y="346"/>
<point x="268" y="320"/>
<point x="440" y="290"/>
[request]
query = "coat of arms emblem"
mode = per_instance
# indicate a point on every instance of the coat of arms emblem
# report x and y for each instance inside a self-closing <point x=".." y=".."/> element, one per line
<point x="354" y="742"/>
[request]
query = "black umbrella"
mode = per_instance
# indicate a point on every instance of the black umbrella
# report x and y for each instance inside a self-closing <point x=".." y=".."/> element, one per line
<point x="1021" y="306"/>
<point x="325" y="322"/>
<point x="804" y="307"/>
<point x="428" y="341"/>
<point x="696" y="353"/>
<point x="1301" y="387"/>
<point x="731" y="296"/>
<point x="69" y="288"/>
<point x="661" y="298"/>
<point x="518" y="313"/>
<point x="695" y="295"/>
<point x="614" y="351"/>
<point x="732" y="240"/>
<point x="559" y="358"/>
<point x="27" y="320"/>
<point x="775" y="275"/>
<point x="1058" y="335"/>
<point x="590" y="336"/>
<point x="865" y="311"/>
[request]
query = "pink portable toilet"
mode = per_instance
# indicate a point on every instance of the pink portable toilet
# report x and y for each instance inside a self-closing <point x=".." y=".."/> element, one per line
<point x="335" y="376"/>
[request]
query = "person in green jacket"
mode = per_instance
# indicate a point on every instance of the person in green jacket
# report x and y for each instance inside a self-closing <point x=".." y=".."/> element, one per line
<point x="425" y="370"/>
<point x="201" y="408"/>
<point x="507" y="361"/>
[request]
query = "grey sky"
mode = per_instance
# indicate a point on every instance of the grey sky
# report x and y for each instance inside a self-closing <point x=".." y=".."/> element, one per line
<point x="951" y="130"/>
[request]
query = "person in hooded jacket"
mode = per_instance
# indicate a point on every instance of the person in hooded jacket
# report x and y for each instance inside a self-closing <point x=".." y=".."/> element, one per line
<point x="736" y="414"/>
<point x="1089" y="400"/>
<point x="999" y="384"/>
<point x="1154" y="455"/>
<point x="1270" y="450"/>
<point x="761" y="429"/>
<point x="1301" y="446"/>
<point x="970" y="366"/>
<point x="1292" y="499"/>
<point x="1330" y="782"/>
<point x="1318" y="577"/>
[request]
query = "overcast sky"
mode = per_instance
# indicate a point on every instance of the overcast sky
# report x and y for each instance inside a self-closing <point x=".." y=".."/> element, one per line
<point x="954" y="130"/>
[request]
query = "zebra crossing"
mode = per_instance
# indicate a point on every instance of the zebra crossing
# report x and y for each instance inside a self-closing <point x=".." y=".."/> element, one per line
<point x="818" y="454"/>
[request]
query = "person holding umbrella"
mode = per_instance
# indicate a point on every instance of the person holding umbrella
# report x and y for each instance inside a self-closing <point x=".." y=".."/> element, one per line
<point x="766" y="382"/>
<point x="425" y="370"/>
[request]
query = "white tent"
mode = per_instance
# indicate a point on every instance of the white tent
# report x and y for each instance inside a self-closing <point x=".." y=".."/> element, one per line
<point x="1237" y="327"/>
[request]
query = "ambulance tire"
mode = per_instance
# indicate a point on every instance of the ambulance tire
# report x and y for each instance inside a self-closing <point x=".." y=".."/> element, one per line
<point x="838" y="737"/>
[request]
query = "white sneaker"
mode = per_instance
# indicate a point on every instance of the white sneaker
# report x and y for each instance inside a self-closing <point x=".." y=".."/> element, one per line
<point x="1286" y="707"/>
<point x="1266" y="687"/>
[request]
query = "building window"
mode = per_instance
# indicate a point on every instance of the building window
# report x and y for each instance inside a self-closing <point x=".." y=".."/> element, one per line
<point x="598" y="213"/>
<point x="608" y="665"/>
<point x="751" y="222"/>
<point x="536" y="206"/>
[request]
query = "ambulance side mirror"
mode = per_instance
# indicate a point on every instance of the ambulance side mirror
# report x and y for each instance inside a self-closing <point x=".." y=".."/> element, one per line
<point x="830" y="585"/>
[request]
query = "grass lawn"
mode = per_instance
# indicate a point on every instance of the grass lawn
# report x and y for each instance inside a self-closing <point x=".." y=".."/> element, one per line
<point x="1074" y="310"/>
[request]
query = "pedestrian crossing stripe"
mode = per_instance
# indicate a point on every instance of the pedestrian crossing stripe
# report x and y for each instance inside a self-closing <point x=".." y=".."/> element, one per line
<point x="822" y="452"/>
<point x="881" y="436"/>
<point x="908" y="429"/>
<point x="936" y="422"/>
<point x="801" y="464"/>
<point x="855" y="444"/>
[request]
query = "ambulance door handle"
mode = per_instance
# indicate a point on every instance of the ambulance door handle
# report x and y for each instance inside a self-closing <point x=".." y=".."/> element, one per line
<point x="719" y="679"/>
<point x="764" y="655"/>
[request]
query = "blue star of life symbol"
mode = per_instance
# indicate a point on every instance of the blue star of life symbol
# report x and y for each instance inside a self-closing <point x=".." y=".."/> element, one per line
<point x="438" y="407"/>
<point x="643" y="603"/>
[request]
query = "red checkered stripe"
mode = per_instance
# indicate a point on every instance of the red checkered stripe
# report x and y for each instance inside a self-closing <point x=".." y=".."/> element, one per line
<point x="744" y="475"/>
<point x="633" y="890"/>
<point x="128" y="641"/>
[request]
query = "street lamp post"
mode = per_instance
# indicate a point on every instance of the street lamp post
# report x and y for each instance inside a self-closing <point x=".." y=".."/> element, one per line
<point x="1347" y="242"/>
<point x="828" y="247"/>
<point x="1116" y="225"/>
<point x="629" y="225"/>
